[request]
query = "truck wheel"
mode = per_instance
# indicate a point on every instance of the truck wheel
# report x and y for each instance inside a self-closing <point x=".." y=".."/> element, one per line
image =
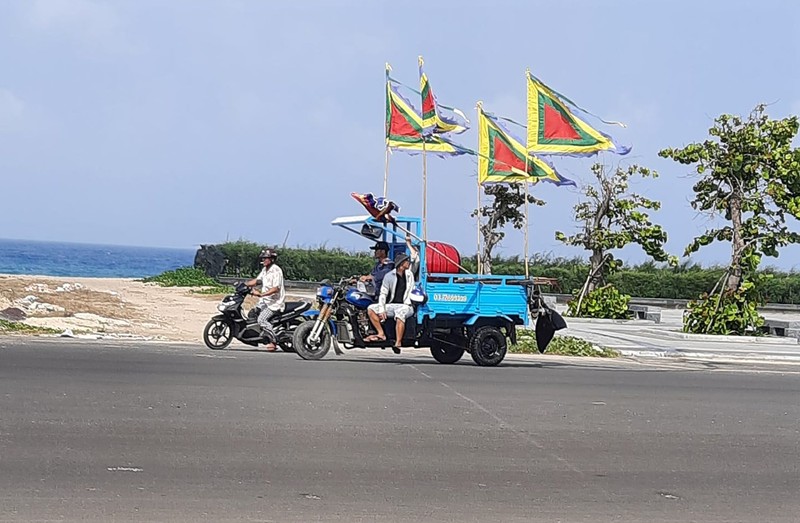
<point x="446" y="353"/>
<point x="488" y="346"/>
<point x="303" y="346"/>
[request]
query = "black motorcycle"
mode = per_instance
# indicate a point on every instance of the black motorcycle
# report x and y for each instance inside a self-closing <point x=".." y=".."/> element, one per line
<point x="232" y="323"/>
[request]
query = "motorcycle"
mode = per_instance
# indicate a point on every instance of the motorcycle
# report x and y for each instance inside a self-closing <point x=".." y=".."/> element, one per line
<point x="343" y="314"/>
<point x="232" y="323"/>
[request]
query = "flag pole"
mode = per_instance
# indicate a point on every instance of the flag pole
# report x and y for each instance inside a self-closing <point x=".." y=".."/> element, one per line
<point x="527" y="272"/>
<point x="478" y="107"/>
<point x="527" y="160"/>
<point x="386" y="172"/>
<point x="386" y="129"/>
<point x="478" y="228"/>
<point x="424" y="191"/>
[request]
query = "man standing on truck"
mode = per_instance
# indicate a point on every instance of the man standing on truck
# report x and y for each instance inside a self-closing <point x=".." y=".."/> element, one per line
<point x="382" y="267"/>
<point x="394" y="302"/>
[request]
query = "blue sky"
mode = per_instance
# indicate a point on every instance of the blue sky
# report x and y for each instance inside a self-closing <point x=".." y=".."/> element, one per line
<point x="175" y="123"/>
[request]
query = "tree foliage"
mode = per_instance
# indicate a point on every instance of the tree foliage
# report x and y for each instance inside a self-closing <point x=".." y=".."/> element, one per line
<point x="749" y="180"/>
<point x="612" y="217"/>
<point x="507" y="207"/>
<point x="749" y="176"/>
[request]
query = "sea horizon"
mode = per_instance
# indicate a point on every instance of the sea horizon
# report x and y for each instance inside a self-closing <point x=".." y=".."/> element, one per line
<point x="89" y="260"/>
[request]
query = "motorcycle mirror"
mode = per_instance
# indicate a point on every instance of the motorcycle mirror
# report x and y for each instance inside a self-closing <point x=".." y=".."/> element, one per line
<point x="371" y="232"/>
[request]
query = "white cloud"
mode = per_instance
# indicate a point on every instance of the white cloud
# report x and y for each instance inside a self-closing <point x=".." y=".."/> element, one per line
<point x="12" y="110"/>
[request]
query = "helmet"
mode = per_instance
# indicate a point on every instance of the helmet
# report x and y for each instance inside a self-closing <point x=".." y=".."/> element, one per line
<point x="418" y="295"/>
<point x="268" y="253"/>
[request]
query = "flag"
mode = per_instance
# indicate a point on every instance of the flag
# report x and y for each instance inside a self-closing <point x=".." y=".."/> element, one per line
<point x="433" y="122"/>
<point x="553" y="128"/>
<point x="501" y="156"/>
<point x="404" y="126"/>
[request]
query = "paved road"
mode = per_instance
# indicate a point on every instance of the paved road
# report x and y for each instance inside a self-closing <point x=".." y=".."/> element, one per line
<point x="141" y="432"/>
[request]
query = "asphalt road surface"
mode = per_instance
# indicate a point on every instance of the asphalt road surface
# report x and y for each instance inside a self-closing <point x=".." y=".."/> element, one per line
<point x="98" y="431"/>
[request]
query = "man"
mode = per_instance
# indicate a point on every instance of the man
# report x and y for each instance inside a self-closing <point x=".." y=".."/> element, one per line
<point x="382" y="267"/>
<point x="394" y="302"/>
<point x="272" y="294"/>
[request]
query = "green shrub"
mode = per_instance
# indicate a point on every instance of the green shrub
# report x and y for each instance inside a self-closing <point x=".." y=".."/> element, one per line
<point x="646" y="280"/>
<point x="183" y="277"/>
<point x="729" y="312"/>
<point x="23" y="328"/>
<point x="604" y="302"/>
<point x="560" y="346"/>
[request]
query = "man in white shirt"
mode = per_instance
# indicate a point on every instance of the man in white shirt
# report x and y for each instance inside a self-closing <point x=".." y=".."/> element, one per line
<point x="272" y="294"/>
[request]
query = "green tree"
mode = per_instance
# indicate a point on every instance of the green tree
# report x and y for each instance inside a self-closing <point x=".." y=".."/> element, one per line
<point x="507" y="207"/>
<point x="750" y="177"/>
<point x="749" y="180"/>
<point x="612" y="217"/>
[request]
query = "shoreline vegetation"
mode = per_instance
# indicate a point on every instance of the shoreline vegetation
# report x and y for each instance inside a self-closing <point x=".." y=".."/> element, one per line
<point x="645" y="280"/>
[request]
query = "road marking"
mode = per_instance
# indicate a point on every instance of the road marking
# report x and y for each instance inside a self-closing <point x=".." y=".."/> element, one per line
<point x="503" y="423"/>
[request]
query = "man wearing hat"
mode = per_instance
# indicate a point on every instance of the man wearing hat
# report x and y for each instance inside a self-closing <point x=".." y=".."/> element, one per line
<point x="382" y="266"/>
<point x="394" y="301"/>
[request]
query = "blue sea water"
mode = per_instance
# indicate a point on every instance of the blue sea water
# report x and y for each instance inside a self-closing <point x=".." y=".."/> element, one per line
<point x="95" y="261"/>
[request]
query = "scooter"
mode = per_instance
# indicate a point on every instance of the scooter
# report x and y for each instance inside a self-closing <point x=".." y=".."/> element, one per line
<point x="232" y="323"/>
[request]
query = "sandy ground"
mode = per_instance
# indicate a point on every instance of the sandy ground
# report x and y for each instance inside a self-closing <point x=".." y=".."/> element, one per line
<point x="111" y="307"/>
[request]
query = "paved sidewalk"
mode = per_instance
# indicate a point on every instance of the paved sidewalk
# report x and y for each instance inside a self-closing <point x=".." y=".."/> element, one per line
<point x="665" y="339"/>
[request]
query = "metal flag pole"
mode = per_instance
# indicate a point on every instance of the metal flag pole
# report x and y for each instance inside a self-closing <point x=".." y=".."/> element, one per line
<point x="525" y="181"/>
<point x="386" y="129"/>
<point x="424" y="191"/>
<point x="386" y="172"/>
<point x="479" y="107"/>
<point x="527" y="272"/>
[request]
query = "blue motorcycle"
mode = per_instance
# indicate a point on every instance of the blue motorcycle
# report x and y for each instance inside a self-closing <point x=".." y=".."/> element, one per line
<point x="342" y="320"/>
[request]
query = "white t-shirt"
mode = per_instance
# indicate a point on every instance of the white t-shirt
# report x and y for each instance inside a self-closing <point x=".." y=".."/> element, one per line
<point x="269" y="279"/>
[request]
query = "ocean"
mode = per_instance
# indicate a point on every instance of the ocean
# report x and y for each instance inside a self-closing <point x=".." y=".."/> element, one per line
<point x="85" y="260"/>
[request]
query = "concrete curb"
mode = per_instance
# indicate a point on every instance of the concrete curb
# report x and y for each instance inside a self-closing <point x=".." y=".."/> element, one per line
<point x="677" y="335"/>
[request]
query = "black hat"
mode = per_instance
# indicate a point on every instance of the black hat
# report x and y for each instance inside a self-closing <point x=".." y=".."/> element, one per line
<point x="400" y="258"/>
<point x="268" y="253"/>
<point x="380" y="245"/>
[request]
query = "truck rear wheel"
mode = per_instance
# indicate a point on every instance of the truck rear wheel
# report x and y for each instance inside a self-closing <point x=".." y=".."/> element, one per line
<point x="446" y="353"/>
<point x="488" y="346"/>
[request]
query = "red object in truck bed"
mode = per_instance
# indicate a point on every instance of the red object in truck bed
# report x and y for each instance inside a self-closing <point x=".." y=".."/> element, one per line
<point x="437" y="262"/>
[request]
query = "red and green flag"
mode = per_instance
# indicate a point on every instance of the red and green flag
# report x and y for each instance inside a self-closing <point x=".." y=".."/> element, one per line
<point x="433" y="119"/>
<point x="554" y="129"/>
<point x="404" y="129"/>
<point x="501" y="157"/>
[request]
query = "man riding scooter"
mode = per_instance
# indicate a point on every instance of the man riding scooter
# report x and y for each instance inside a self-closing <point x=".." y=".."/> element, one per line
<point x="272" y="294"/>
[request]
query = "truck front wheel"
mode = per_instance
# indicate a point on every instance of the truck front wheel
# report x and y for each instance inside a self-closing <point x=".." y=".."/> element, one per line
<point x="488" y="346"/>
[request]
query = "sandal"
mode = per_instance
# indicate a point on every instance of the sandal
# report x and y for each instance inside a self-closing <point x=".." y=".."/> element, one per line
<point x="270" y="347"/>
<point x="374" y="337"/>
<point x="396" y="349"/>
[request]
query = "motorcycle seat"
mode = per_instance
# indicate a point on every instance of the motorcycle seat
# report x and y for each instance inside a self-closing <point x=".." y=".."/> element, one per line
<point x="291" y="306"/>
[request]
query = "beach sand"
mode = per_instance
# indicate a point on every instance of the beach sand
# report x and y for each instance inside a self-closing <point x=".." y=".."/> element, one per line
<point x="111" y="307"/>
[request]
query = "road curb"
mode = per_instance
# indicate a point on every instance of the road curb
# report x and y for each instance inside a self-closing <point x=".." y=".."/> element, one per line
<point x="677" y="335"/>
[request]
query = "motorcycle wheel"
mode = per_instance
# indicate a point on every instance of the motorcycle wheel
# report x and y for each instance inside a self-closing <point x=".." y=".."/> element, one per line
<point x="288" y="344"/>
<point x="217" y="335"/>
<point x="307" y="350"/>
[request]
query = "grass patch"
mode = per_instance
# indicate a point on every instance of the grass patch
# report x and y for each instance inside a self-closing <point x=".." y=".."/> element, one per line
<point x="223" y="289"/>
<point x="183" y="277"/>
<point x="560" y="346"/>
<point x="7" y="327"/>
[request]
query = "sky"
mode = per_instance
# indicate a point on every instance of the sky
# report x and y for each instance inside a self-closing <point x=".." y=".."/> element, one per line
<point x="183" y="122"/>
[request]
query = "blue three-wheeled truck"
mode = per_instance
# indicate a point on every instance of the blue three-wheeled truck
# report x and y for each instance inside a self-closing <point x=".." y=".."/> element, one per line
<point x="456" y="312"/>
